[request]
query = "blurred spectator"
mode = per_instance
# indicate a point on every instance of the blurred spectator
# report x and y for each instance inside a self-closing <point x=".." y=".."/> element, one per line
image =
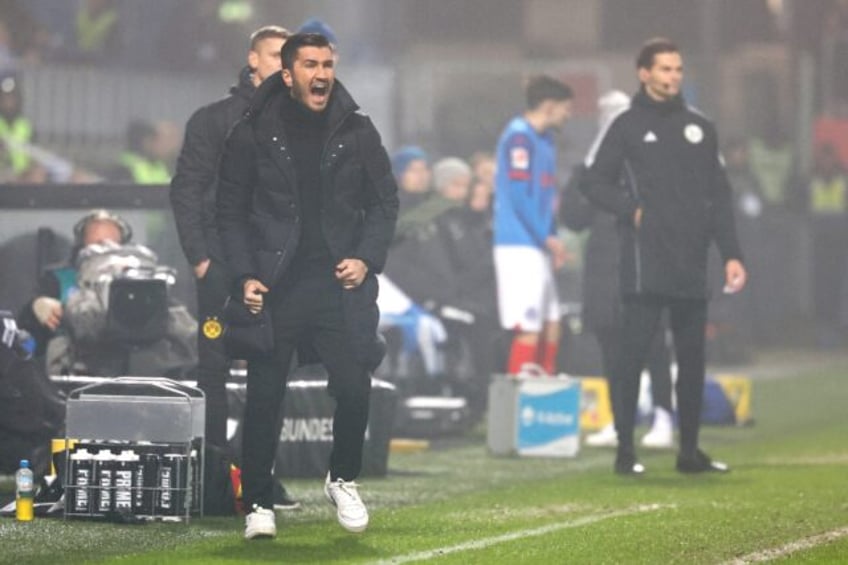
<point x="771" y="159"/>
<point x="145" y="158"/>
<point x="97" y="30"/>
<point x="314" y="25"/>
<point x="452" y="179"/>
<point x="483" y="184"/>
<point x="442" y="260"/>
<point x="22" y="37"/>
<point x="827" y="191"/>
<point x="419" y="263"/>
<point x="169" y="139"/>
<point x="411" y="168"/>
<point x="15" y="128"/>
<point x="465" y="233"/>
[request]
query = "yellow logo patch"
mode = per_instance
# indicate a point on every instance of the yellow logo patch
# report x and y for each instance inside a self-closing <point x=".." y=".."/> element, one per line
<point x="212" y="328"/>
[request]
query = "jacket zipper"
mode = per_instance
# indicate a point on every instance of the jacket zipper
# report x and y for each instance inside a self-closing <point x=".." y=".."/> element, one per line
<point x="637" y="249"/>
<point x="322" y="165"/>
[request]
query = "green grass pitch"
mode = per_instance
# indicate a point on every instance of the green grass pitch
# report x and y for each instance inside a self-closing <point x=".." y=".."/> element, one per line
<point x="787" y="493"/>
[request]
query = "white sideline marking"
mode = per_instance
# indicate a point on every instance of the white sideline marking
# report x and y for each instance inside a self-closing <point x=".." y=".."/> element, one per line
<point x="789" y="548"/>
<point x="521" y="534"/>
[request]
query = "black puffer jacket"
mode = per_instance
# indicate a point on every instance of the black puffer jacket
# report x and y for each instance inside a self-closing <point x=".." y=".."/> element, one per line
<point x="258" y="209"/>
<point x="668" y="156"/>
<point x="194" y="184"/>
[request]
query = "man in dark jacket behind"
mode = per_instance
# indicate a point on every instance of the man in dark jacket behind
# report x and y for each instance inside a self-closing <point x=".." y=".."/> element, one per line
<point x="193" y="202"/>
<point x="307" y="207"/>
<point x="676" y="200"/>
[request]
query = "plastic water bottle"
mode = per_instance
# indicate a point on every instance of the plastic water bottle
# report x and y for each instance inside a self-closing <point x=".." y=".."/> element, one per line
<point x="25" y="492"/>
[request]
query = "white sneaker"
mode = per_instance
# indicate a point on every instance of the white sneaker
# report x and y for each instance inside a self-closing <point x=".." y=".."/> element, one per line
<point x="606" y="437"/>
<point x="260" y="523"/>
<point x="661" y="434"/>
<point x="350" y="510"/>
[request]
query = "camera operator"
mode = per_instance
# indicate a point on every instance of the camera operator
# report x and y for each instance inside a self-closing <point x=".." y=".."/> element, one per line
<point x="42" y="316"/>
<point x="69" y="315"/>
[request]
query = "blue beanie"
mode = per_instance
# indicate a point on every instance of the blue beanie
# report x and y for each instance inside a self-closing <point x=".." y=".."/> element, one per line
<point x="404" y="156"/>
<point x="314" y="25"/>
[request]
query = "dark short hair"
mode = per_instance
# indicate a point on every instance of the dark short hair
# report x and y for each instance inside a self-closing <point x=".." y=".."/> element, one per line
<point x="293" y="44"/>
<point x="652" y="48"/>
<point x="267" y="32"/>
<point x="544" y="87"/>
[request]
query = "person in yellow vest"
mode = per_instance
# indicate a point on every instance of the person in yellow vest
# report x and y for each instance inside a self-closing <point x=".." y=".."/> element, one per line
<point x="827" y="193"/>
<point x="15" y="129"/>
<point x="96" y="27"/>
<point x="772" y="163"/>
<point x="144" y="161"/>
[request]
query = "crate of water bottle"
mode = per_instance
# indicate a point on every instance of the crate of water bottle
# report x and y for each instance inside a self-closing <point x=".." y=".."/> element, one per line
<point x="118" y="480"/>
<point x="136" y="409"/>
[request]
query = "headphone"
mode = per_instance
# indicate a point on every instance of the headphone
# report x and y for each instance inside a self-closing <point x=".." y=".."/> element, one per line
<point x="97" y="216"/>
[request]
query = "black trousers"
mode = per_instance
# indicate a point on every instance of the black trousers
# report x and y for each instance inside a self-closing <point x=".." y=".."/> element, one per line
<point x="306" y="308"/>
<point x="658" y="363"/>
<point x="687" y="318"/>
<point x="213" y="367"/>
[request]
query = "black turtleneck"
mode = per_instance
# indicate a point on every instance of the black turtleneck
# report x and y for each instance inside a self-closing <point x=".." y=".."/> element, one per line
<point x="306" y="133"/>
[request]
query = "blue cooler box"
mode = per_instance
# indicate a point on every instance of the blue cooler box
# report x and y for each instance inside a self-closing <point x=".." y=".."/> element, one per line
<point x="534" y="416"/>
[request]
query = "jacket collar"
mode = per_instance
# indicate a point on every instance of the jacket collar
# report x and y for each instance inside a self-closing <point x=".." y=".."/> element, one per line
<point x="244" y="87"/>
<point x="641" y="98"/>
<point x="340" y="106"/>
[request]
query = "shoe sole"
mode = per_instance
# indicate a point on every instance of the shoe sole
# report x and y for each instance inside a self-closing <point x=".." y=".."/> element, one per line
<point x="354" y="529"/>
<point x="267" y="534"/>
<point x="285" y="507"/>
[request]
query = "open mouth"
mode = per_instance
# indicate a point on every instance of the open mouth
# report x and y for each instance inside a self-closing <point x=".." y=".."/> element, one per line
<point x="320" y="90"/>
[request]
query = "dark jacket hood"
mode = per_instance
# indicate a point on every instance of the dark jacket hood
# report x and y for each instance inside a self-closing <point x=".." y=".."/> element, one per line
<point x="244" y="87"/>
<point x="341" y="102"/>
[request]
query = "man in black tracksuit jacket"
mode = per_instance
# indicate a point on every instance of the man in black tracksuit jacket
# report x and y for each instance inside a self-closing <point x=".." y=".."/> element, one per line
<point x="675" y="201"/>
<point x="307" y="207"/>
